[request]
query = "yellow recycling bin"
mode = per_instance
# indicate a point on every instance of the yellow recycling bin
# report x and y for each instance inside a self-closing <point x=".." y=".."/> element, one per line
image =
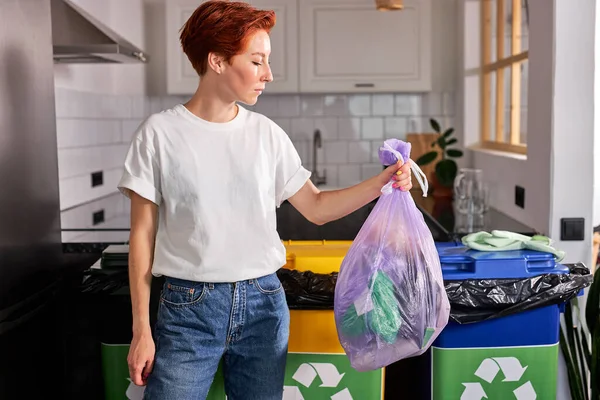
<point x="317" y="367"/>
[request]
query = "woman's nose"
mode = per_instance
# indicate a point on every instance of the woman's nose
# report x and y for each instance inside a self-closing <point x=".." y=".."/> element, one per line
<point x="268" y="77"/>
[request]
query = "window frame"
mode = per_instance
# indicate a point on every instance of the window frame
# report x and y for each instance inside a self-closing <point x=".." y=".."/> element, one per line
<point x="488" y="67"/>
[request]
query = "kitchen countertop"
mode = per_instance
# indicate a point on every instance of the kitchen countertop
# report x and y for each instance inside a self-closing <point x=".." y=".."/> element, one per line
<point x="443" y="222"/>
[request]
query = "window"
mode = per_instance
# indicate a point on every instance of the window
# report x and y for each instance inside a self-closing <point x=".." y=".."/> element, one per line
<point x="504" y="72"/>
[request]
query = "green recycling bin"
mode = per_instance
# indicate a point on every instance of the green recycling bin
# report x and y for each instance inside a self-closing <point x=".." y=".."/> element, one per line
<point x="514" y="356"/>
<point x="117" y="385"/>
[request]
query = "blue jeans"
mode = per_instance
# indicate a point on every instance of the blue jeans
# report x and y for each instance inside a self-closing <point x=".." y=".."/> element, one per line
<point x="244" y="324"/>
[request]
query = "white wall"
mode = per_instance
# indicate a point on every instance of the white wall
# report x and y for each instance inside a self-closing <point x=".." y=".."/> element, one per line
<point x="572" y="156"/>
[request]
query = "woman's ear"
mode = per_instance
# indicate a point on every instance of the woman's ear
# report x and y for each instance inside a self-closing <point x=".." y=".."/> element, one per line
<point x="216" y="62"/>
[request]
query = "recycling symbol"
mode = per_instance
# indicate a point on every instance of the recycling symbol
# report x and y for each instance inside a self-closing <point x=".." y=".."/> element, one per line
<point x="489" y="369"/>
<point x="306" y="374"/>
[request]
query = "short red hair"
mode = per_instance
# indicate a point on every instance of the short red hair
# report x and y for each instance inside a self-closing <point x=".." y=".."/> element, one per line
<point x="222" y="27"/>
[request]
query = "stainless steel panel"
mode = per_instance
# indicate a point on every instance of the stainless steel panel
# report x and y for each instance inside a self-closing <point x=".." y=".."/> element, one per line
<point x="30" y="239"/>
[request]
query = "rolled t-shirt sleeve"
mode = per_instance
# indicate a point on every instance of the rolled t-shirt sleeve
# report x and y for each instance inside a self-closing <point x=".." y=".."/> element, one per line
<point x="141" y="173"/>
<point x="290" y="175"/>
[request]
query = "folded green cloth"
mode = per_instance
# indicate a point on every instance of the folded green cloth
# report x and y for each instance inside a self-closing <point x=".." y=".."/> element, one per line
<point x="380" y="312"/>
<point x="499" y="240"/>
<point x="386" y="317"/>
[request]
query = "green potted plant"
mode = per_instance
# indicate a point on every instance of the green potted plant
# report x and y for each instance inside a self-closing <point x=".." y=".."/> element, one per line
<point x="442" y="180"/>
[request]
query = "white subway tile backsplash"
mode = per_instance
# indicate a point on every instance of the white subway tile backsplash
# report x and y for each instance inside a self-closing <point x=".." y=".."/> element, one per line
<point x="302" y="128"/>
<point x="372" y="128"/>
<point x="348" y="175"/>
<point x="395" y="127"/>
<point x="128" y="128"/>
<point x="448" y="104"/>
<point x="432" y="104"/>
<point x="139" y="107"/>
<point x="153" y="105"/>
<point x="312" y="105"/>
<point x="329" y="171"/>
<point x="328" y="127"/>
<point x="74" y="162"/>
<point x="94" y="132"/>
<point x="81" y="217"/>
<point x="267" y="104"/>
<point x="383" y="104"/>
<point x="78" y="190"/>
<point x="336" y="152"/>
<point x="370" y="170"/>
<point x="288" y="106"/>
<point x="171" y="101"/>
<point x="302" y="149"/>
<point x="408" y="105"/>
<point x="359" y="105"/>
<point x="375" y="145"/>
<point x="86" y="132"/>
<point x="359" y="152"/>
<point x="284" y="123"/>
<point x="336" y="105"/>
<point x="418" y="125"/>
<point x="349" y="128"/>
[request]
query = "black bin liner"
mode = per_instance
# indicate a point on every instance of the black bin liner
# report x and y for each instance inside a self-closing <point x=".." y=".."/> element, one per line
<point x="471" y="300"/>
<point x="483" y="299"/>
<point x="307" y="290"/>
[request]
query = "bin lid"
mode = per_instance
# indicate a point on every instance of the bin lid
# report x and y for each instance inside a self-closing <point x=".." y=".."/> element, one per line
<point x="318" y="256"/>
<point x="461" y="263"/>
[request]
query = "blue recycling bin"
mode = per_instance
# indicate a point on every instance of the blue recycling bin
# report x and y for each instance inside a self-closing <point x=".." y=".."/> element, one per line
<point x="510" y="357"/>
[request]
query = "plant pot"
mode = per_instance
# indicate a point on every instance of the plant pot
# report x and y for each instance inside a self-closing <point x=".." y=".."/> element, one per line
<point x="439" y="190"/>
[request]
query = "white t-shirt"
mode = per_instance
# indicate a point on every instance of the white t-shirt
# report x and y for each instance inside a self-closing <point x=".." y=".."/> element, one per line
<point x="217" y="186"/>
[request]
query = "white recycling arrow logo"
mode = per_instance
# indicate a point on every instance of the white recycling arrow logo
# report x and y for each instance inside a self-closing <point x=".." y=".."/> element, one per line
<point x="306" y="374"/>
<point x="488" y="370"/>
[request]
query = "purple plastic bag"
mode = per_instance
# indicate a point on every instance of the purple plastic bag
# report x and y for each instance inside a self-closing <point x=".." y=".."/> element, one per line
<point x="390" y="302"/>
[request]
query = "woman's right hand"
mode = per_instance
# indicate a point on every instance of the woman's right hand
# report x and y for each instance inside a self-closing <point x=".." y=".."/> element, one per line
<point x="141" y="358"/>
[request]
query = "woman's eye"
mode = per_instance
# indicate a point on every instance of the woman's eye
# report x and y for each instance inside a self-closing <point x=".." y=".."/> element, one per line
<point x="256" y="63"/>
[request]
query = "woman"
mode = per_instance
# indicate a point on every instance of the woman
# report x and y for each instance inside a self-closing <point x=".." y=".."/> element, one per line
<point x="205" y="178"/>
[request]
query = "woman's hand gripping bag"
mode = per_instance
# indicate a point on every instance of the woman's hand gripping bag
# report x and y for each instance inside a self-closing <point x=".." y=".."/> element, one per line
<point x="390" y="302"/>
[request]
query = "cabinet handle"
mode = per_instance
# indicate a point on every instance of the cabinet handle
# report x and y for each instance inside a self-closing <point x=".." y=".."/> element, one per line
<point x="358" y="85"/>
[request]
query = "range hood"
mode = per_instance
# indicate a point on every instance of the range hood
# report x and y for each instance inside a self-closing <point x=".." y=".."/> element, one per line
<point x="79" y="38"/>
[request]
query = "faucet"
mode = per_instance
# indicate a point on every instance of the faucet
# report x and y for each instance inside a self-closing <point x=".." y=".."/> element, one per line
<point x="317" y="143"/>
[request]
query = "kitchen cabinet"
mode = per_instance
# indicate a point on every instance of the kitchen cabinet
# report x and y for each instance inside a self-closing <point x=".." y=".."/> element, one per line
<point x="284" y="45"/>
<point x="327" y="46"/>
<point x="349" y="46"/>
<point x="181" y="77"/>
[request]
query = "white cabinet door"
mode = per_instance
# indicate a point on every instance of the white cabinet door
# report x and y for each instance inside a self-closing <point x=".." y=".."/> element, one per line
<point x="284" y="45"/>
<point x="349" y="46"/>
<point x="181" y="77"/>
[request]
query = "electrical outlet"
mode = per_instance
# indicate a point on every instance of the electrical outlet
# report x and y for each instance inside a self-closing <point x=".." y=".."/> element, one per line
<point x="520" y="196"/>
<point x="98" y="217"/>
<point x="97" y="178"/>
<point x="572" y="228"/>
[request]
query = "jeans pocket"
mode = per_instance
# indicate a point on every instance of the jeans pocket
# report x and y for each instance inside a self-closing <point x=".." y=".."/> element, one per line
<point x="268" y="284"/>
<point x="180" y="293"/>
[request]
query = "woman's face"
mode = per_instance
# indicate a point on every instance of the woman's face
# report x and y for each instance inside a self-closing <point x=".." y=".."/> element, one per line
<point x="249" y="72"/>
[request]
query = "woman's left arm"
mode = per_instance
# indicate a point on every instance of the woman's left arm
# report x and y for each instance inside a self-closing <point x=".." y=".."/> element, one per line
<point x="322" y="207"/>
